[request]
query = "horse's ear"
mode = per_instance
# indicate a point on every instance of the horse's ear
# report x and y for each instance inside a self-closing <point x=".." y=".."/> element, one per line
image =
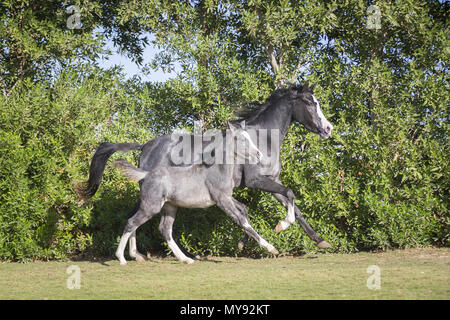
<point x="242" y="123"/>
<point x="305" y="87"/>
<point x="308" y="87"/>
<point x="294" y="92"/>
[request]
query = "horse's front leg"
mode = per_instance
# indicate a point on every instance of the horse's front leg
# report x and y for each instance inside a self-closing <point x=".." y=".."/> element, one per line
<point x="301" y="220"/>
<point x="286" y="197"/>
<point x="267" y="184"/>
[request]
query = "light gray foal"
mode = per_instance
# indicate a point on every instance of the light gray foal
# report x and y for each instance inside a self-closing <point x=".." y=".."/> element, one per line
<point x="195" y="186"/>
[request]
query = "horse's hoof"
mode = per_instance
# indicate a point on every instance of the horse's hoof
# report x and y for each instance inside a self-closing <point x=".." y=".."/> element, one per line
<point x="241" y="245"/>
<point x="279" y="227"/>
<point x="189" y="261"/>
<point x="123" y="263"/>
<point x="197" y="257"/>
<point x="323" y="244"/>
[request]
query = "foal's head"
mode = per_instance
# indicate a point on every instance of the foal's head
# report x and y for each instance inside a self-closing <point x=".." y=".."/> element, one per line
<point x="246" y="148"/>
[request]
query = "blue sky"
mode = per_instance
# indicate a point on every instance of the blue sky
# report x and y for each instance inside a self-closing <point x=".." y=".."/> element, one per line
<point x="130" y="68"/>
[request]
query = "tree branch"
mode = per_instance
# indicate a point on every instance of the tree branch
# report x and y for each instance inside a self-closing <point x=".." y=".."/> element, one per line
<point x="273" y="59"/>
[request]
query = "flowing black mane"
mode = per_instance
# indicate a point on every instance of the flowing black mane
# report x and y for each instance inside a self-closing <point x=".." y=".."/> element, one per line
<point x="253" y="109"/>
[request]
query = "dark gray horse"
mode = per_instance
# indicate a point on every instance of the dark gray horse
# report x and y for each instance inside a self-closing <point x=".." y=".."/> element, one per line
<point x="194" y="186"/>
<point x="296" y="103"/>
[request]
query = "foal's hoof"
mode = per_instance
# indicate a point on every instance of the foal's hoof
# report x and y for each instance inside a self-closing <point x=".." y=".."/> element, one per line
<point x="278" y="228"/>
<point x="241" y="245"/>
<point x="188" y="261"/>
<point x="140" y="258"/>
<point x="274" y="251"/>
<point x="323" y="244"/>
<point x="282" y="225"/>
<point x="121" y="259"/>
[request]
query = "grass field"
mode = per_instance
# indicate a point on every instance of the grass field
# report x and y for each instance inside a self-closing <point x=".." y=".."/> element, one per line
<point x="404" y="274"/>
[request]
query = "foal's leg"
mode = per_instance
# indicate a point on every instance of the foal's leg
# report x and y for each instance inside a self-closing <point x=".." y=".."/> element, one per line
<point x="243" y="210"/>
<point x="132" y="242"/>
<point x="133" y="249"/>
<point x="141" y="216"/>
<point x="165" y="227"/>
<point x="230" y="206"/>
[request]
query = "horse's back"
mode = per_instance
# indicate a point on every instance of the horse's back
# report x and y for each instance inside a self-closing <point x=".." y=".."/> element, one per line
<point x="155" y="153"/>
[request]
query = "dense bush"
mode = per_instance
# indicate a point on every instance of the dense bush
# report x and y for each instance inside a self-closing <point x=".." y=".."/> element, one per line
<point x="361" y="189"/>
<point x="48" y="132"/>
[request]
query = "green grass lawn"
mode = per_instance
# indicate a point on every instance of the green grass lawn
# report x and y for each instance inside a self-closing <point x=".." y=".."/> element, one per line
<point x="405" y="274"/>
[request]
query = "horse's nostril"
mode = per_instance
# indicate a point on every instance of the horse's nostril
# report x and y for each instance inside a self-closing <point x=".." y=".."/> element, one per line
<point x="328" y="129"/>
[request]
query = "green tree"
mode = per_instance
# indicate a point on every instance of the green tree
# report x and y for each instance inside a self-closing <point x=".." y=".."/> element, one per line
<point x="37" y="37"/>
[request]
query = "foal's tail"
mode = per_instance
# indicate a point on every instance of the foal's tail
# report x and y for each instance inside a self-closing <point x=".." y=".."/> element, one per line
<point x="98" y="163"/>
<point x="130" y="171"/>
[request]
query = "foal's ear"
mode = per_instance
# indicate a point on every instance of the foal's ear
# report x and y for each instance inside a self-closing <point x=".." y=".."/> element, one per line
<point x="232" y="126"/>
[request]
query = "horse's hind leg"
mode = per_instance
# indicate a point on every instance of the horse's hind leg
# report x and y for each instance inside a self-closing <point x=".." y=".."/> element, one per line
<point x="165" y="227"/>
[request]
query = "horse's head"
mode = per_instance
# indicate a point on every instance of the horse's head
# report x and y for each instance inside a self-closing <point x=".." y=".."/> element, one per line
<point x="306" y="110"/>
<point x="246" y="148"/>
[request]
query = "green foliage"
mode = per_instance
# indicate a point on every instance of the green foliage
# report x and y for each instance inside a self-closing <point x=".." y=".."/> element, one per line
<point x="47" y="133"/>
<point x="380" y="181"/>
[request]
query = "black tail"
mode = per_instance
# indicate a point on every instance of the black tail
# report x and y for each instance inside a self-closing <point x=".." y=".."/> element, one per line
<point x="98" y="163"/>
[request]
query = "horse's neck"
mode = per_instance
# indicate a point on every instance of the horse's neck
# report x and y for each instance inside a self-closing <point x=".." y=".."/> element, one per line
<point x="276" y="117"/>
